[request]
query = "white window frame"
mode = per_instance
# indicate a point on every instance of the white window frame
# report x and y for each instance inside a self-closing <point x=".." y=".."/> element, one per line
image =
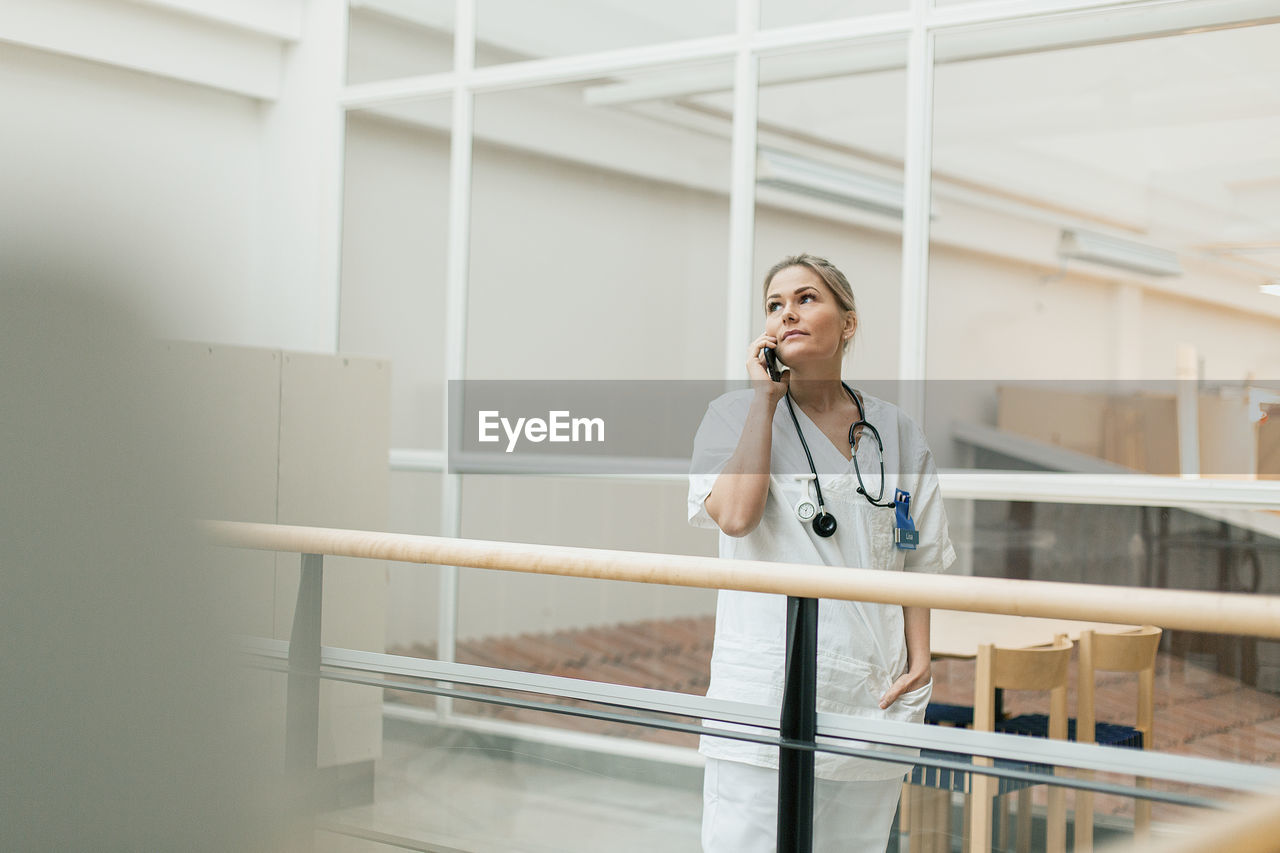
<point x="919" y="24"/>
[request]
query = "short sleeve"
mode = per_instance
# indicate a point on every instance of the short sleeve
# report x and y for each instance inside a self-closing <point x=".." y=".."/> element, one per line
<point x="715" y="442"/>
<point x="935" y="552"/>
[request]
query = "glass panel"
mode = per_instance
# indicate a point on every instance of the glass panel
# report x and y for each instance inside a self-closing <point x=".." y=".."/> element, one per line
<point x="785" y="13"/>
<point x="599" y="230"/>
<point x="513" y="30"/>
<point x="1146" y="547"/>
<point x="1019" y="804"/>
<point x="1025" y="814"/>
<point x="484" y="779"/>
<point x="389" y="39"/>
<point x="829" y="181"/>
<point x="394" y="265"/>
<point x="1105" y="209"/>
<point x="1225" y="430"/>
<point x="642" y="635"/>
<point x="472" y="785"/>
<point x="1215" y="695"/>
<point x="394" y="245"/>
<point x="599" y="244"/>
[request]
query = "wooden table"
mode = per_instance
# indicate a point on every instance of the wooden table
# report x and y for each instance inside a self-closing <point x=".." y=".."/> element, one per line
<point x="958" y="633"/>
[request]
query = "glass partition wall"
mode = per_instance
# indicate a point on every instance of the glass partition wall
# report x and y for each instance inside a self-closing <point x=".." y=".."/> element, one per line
<point x="1081" y="193"/>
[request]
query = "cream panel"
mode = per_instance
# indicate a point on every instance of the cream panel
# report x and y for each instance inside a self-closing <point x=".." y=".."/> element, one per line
<point x="333" y="473"/>
<point x="231" y="399"/>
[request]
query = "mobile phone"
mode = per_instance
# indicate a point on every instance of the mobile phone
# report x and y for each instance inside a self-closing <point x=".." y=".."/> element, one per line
<point x="771" y="362"/>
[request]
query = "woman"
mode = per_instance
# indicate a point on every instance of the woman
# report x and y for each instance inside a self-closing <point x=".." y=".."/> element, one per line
<point x="753" y="479"/>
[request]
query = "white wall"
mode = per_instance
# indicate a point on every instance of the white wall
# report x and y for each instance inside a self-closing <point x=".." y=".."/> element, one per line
<point x="148" y="175"/>
<point x="395" y="233"/>
<point x="991" y="320"/>
<point x="582" y="273"/>
<point x="1234" y="345"/>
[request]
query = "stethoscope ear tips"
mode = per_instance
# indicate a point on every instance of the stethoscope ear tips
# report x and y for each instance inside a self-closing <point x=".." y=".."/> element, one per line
<point x="825" y="524"/>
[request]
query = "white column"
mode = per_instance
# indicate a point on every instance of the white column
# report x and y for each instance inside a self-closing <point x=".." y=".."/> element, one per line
<point x="742" y="194"/>
<point x="300" y="208"/>
<point x="915" y="215"/>
<point x="456" y="301"/>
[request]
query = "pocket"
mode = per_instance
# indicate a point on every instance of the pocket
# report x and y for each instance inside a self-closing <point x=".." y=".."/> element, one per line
<point x="870" y="528"/>
<point x="848" y="685"/>
<point x="882" y="537"/>
<point x="911" y="705"/>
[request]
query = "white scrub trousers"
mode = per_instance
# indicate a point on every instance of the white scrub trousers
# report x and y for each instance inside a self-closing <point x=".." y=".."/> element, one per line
<point x="740" y="811"/>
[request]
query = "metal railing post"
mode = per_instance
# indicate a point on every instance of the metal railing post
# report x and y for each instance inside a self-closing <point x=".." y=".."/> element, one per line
<point x="799" y="722"/>
<point x="302" y="710"/>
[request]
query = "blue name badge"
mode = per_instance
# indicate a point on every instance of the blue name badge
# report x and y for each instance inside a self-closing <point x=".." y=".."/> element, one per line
<point x="905" y="535"/>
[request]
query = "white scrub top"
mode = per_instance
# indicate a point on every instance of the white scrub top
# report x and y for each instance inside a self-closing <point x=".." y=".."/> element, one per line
<point x="861" y="646"/>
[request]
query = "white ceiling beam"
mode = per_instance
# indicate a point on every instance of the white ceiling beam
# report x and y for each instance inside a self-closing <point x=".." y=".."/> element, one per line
<point x="1153" y="19"/>
<point x="141" y="37"/>
<point x="867" y="57"/>
<point x="966" y="31"/>
<point x="1157" y="12"/>
<point x="279" y="19"/>
<point x="541" y="72"/>
<point x="432" y="15"/>
<point x="551" y="123"/>
<point x="877" y="55"/>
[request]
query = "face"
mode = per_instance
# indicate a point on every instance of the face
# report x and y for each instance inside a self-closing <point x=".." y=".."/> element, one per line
<point x="806" y="317"/>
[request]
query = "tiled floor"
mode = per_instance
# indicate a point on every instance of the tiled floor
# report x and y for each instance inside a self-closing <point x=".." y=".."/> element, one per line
<point x="1198" y="712"/>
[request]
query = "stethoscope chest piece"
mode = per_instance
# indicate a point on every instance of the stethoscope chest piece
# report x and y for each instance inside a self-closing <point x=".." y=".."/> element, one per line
<point x="824" y="524"/>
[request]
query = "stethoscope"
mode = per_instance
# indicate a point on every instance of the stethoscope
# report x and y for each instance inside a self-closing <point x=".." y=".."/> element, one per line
<point x="824" y="523"/>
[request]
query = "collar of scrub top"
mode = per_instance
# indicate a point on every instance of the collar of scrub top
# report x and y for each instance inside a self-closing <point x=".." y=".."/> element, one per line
<point x="824" y="524"/>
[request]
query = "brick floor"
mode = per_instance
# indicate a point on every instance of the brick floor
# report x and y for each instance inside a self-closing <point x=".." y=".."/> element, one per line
<point x="1198" y="711"/>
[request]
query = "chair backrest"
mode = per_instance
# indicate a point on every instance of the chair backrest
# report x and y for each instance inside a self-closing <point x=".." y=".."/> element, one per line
<point x="1133" y="651"/>
<point x="1043" y="668"/>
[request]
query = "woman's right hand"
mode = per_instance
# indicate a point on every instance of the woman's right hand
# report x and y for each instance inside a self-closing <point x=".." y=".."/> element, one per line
<point x="759" y="372"/>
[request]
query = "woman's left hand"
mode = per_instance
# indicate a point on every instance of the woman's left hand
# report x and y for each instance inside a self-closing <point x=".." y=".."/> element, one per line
<point x="908" y="681"/>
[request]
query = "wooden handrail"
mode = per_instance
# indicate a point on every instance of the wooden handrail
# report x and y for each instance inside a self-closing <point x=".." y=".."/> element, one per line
<point x="1213" y="612"/>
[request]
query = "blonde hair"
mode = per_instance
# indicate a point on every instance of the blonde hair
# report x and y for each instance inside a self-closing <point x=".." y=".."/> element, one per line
<point x="826" y="271"/>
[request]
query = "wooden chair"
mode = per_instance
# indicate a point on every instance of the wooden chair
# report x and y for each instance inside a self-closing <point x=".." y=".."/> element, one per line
<point x="1042" y="668"/>
<point x="927" y="792"/>
<point x="1134" y="651"/>
<point x="1130" y="652"/>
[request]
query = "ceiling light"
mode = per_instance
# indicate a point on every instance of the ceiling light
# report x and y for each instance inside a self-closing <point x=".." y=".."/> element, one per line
<point x="1115" y="252"/>
<point x="843" y="186"/>
<point x="1271" y="288"/>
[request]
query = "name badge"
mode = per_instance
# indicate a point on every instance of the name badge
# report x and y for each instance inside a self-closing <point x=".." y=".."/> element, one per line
<point x="905" y="535"/>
